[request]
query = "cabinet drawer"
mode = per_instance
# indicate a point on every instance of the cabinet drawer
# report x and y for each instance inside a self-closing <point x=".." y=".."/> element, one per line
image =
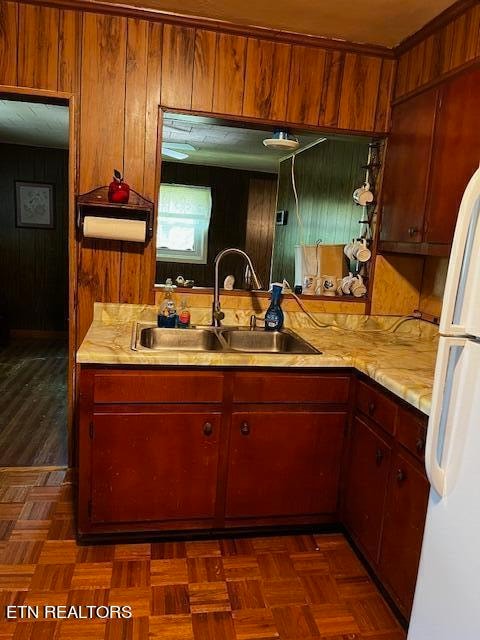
<point x="287" y="388"/>
<point x="376" y="406"/>
<point x="153" y="386"/>
<point x="412" y="432"/>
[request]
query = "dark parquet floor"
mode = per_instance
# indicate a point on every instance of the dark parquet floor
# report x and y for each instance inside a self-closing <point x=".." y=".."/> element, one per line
<point x="308" y="587"/>
<point x="33" y="402"/>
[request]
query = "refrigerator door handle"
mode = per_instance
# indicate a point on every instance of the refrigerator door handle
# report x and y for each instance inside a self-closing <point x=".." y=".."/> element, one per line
<point x="447" y="358"/>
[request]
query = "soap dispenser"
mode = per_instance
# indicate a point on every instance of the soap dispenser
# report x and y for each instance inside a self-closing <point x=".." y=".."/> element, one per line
<point x="274" y="315"/>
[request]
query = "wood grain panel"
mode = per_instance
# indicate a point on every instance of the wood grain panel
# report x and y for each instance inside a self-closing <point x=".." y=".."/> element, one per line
<point x="69" y="51"/>
<point x="38" y="47"/>
<point x="177" y="66"/>
<point x="262" y="200"/>
<point x="449" y="47"/>
<point x="382" y="114"/>
<point x="101" y="150"/>
<point x="305" y="86"/>
<point x="332" y="86"/>
<point x="204" y="69"/>
<point x="150" y="181"/>
<point x="134" y="146"/>
<point x="8" y="42"/>
<point x="361" y="79"/>
<point x="154" y="72"/>
<point x="266" y="79"/>
<point x="229" y="74"/>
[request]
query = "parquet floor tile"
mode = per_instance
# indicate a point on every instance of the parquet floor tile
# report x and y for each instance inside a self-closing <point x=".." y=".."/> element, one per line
<point x="306" y="587"/>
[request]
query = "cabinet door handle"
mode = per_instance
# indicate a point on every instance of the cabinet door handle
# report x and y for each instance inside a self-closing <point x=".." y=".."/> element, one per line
<point x="412" y="231"/>
<point x="208" y="429"/>
<point x="371" y="408"/>
<point x="245" y="429"/>
<point x="379" y="455"/>
<point x="420" y="445"/>
<point x="401" y="475"/>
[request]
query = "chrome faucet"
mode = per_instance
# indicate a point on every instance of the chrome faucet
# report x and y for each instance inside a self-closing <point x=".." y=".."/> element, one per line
<point x="217" y="313"/>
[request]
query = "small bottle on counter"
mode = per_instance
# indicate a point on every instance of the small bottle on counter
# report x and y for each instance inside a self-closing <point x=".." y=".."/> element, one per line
<point x="274" y="315"/>
<point x="167" y="317"/>
<point x="184" y="316"/>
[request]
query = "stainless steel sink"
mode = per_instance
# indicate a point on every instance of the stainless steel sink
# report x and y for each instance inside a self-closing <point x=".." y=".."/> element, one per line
<point x="177" y="339"/>
<point x="261" y="341"/>
<point x="147" y="337"/>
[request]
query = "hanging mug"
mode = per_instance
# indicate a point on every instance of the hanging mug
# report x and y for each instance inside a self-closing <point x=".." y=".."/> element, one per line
<point x="363" y="196"/>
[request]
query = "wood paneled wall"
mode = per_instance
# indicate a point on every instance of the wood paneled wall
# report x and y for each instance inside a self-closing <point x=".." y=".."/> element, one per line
<point x="441" y="51"/>
<point x="122" y="68"/>
<point x="326" y="176"/>
<point x="232" y="216"/>
<point x="34" y="262"/>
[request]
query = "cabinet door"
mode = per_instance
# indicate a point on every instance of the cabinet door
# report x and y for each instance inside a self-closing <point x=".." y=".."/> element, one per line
<point x="405" y="512"/>
<point x="407" y="168"/>
<point x="154" y="466"/>
<point x="284" y="463"/>
<point x="366" y="486"/>
<point x="456" y="154"/>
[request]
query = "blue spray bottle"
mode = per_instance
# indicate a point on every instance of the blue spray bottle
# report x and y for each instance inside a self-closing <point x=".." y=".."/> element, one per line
<point x="274" y="315"/>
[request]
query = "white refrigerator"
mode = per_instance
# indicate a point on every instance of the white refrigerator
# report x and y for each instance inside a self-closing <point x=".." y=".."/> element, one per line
<point x="447" y="595"/>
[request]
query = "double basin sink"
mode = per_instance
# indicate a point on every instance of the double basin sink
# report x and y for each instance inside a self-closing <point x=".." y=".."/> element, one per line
<point x="219" y="339"/>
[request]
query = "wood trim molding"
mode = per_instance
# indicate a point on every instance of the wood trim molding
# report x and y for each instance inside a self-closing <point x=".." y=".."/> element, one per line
<point x="251" y="122"/>
<point x="415" y="248"/>
<point x="448" y="15"/>
<point x="439" y="80"/>
<point x="264" y="33"/>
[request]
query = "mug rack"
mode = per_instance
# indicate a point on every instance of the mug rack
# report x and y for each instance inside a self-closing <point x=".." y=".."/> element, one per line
<point x="96" y="203"/>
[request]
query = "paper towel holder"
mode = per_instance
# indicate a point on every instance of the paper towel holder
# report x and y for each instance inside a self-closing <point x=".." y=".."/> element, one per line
<point x="95" y="203"/>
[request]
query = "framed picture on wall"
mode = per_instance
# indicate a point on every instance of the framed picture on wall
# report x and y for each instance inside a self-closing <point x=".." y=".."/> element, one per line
<point x="34" y="205"/>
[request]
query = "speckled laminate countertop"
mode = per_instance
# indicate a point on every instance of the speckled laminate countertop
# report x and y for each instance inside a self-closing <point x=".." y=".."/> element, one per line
<point x="400" y="358"/>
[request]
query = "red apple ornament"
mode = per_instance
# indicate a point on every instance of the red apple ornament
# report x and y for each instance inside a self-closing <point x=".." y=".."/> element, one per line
<point x="118" y="190"/>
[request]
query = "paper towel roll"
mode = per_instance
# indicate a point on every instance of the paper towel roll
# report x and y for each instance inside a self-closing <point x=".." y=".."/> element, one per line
<point x="114" y="229"/>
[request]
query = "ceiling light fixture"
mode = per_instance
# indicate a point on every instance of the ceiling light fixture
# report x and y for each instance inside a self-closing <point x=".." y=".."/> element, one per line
<point x="282" y="140"/>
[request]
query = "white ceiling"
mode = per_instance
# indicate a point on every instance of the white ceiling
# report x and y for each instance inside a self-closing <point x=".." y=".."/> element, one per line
<point x="383" y="22"/>
<point x="34" y="124"/>
<point x="220" y="145"/>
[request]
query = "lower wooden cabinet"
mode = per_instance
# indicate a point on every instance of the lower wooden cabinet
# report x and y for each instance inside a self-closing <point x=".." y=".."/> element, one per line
<point x="403" y="529"/>
<point x="230" y="455"/>
<point x="154" y="466"/>
<point x="284" y="463"/>
<point x="366" y="486"/>
<point x="386" y="492"/>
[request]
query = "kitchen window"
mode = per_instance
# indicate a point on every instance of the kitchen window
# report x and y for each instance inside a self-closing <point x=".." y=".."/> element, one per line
<point x="183" y="219"/>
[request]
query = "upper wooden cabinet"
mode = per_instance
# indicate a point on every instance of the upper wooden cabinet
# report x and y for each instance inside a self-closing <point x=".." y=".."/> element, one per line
<point x="407" y="167"/>
<point x="456" y="154"/>
<point x="433" y="151"/>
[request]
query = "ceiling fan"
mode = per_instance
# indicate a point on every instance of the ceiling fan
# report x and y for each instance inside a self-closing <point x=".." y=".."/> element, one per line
<point x="176" y="150"/>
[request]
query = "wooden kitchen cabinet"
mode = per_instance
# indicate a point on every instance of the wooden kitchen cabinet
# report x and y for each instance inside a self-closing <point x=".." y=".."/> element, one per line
<point x="456" y="154"/>
<point x="433" y="150"/>
<point x="385" y="492"/>
<point x="163" y="450"/>
<point x="407" y="167"/>
<point x="284" y="463"/>
<point x="366" y="486"/>
<point x="153" y="466"/>
<point x="403" y="526"/>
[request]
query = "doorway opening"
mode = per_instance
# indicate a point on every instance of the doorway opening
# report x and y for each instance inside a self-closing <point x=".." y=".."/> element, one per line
<point x="34" y="280"/>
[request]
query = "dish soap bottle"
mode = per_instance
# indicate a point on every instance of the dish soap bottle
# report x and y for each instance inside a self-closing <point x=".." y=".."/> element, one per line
<point x="184" y="316"/>
<point x="274" y="315"/>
